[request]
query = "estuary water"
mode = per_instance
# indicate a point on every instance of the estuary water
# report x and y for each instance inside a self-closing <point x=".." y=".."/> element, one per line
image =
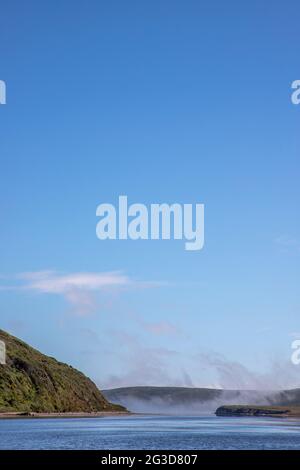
<point x="150" y="432"/>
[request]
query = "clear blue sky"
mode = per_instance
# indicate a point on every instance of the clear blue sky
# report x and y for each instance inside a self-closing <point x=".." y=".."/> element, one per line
<point x="165" y="101"/>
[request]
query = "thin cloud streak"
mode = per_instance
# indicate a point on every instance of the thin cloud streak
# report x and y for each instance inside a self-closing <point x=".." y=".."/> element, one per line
<point x="55" y="283"/>
<point x="79" y="289"/>
<point x="288" y="243"/>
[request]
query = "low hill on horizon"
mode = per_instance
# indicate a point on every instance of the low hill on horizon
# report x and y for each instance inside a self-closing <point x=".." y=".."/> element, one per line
<point x="193" y="400"/>
<point x="33" y="382"/>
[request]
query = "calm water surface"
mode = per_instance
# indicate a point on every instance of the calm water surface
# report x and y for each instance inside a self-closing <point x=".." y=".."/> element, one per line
<point x="150" y="432"/>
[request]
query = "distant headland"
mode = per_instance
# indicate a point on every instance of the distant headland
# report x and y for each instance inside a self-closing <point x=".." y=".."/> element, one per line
<point x="248" y="410"/>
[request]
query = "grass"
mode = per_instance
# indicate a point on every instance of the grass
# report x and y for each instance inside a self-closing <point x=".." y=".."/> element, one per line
<point x="33" y="382"/>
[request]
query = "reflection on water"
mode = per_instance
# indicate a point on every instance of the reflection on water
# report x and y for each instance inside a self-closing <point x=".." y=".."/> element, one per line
<point x="151" y="432"/>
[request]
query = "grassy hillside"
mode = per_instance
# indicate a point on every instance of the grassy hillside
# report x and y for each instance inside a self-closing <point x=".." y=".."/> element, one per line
<point x="31" y="381"/>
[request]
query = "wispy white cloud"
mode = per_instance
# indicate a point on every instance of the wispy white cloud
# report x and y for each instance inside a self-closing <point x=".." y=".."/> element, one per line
<point x="231" y="374"/>
<point x="161" y="328"/>
<point x="295" y="334"/>
<point x="79" y="288"/>
<point x="288" y="242"/>
<point x="54" y="283"/>
<point x="141" y="364"/>
<point x="156" y="328"/>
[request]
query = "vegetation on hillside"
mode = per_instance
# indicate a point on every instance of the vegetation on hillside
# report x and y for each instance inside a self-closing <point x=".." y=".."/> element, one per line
<point x="31" y="381"/>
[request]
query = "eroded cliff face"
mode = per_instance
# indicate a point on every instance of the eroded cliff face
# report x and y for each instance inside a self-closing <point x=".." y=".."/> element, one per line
<point x="31" y="381"/>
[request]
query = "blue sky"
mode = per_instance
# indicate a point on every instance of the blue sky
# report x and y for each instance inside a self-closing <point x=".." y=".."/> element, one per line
<point x="164" y="101"/>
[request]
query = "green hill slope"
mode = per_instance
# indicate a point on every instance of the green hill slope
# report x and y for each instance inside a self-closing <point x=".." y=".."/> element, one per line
<point x="31" y="381"/>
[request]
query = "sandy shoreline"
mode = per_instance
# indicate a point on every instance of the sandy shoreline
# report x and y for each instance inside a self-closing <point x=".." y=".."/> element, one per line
<point x="98" y="414"/>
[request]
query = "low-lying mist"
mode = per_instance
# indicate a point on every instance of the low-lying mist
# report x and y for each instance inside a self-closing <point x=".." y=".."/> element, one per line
<point x="184" y="400"/>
